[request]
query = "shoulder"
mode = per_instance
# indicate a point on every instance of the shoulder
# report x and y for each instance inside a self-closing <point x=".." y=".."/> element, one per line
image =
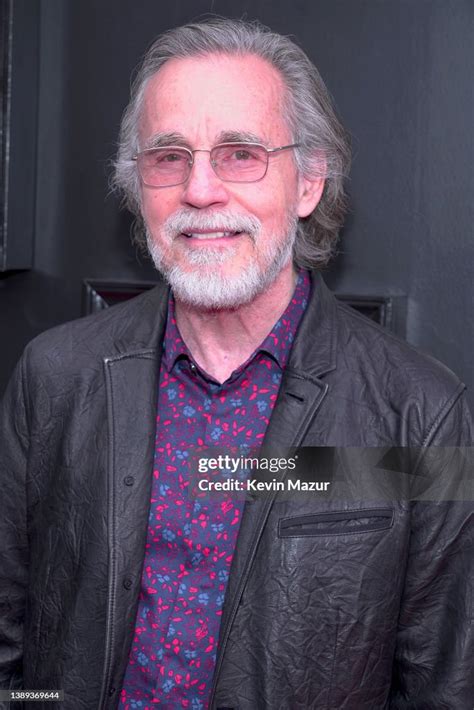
<point x="394" y="377"/>
<point x="380" y="389"/>
<point x="386" y="355"/>
<point x="128" y="327"/>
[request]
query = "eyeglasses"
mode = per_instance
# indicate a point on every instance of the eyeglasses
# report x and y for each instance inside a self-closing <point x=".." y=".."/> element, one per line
<point x="231" y="162"/>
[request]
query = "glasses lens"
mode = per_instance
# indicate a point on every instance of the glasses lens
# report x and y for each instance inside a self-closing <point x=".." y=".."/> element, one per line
<point x="239" y="162"/>
<point x="160" y="167"/>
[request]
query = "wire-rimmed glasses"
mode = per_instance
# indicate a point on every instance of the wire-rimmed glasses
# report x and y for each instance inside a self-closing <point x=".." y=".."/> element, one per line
<point x="166" y="166"/>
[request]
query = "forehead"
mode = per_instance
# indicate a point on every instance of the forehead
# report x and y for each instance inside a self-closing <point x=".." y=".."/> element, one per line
<point x="202" y="97"/>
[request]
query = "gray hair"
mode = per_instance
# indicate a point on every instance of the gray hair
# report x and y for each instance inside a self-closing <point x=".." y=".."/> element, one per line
<point x="308" y="111"/>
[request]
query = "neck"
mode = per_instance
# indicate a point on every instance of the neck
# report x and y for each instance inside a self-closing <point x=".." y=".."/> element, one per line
<point x="221" y="340"/>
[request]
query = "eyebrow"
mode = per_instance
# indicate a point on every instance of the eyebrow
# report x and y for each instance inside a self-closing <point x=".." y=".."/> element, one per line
<point x="159" y="140"/>
<point x="239" y="137"/>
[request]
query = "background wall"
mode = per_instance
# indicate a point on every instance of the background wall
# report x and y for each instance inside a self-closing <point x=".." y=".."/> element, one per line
<point x="401" y="75"/>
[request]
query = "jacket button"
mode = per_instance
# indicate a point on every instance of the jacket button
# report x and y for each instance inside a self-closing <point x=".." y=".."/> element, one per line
<point x="111" y="691"/>
<point x="129" y="480"/>
<point x="127" y="583"/>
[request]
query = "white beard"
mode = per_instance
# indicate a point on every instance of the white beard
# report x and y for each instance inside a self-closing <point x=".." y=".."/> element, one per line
<point x="206" y="287"/>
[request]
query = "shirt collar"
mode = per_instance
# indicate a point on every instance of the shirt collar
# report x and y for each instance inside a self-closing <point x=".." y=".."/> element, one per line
<point x="277" y="344"/>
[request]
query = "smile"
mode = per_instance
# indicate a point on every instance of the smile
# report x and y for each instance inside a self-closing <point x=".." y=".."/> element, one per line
<point x="209" y="235"/>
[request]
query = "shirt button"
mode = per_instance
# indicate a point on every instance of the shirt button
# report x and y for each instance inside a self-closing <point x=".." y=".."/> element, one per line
<point x="192" y="367"/>
<point x="129" y="480"/>
<point x="127" y="583"/>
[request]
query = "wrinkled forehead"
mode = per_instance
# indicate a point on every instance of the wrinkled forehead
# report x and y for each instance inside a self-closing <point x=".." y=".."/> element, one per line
<point x="203" y="97"/>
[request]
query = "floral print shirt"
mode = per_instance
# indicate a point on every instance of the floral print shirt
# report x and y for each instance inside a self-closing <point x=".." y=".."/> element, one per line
<point x="191" y="540"/>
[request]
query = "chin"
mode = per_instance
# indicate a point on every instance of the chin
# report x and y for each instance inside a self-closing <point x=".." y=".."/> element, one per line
<point x="208" y="289"/>
<point x="202" y="282"/>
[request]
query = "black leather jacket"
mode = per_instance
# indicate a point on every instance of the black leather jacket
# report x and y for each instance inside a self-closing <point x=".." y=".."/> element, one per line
<point x="316" y="615"/>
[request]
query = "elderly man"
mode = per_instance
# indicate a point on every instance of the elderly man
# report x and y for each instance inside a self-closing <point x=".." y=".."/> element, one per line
<point x="121" y="589"/>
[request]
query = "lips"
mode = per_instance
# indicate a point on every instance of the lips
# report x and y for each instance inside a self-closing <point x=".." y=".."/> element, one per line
<point x="199" y="234"/>
<point x="220" y="227"/>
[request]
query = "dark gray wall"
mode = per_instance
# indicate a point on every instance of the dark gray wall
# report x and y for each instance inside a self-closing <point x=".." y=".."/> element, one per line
<point x="400" y="72"/>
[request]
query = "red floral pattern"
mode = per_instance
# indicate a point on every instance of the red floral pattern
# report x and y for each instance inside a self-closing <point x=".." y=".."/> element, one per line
<point x="191" y="541"/>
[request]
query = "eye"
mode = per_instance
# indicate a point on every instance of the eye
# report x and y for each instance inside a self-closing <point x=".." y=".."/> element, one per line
<point x="242" y="154"/>
<point x="238" y="154"/>
<point x="245" y="154"/>
<point x="170" y="156"/>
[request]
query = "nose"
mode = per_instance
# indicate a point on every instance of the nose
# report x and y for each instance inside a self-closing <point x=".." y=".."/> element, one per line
<point x="203" y="188"/>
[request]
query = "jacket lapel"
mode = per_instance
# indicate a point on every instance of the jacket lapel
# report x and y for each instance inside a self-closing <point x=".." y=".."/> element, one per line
<point x="301" y="394"/>
<point x="131" y="376"/>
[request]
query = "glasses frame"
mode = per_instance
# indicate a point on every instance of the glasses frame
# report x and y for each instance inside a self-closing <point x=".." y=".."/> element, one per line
<point x="268" y="152"/>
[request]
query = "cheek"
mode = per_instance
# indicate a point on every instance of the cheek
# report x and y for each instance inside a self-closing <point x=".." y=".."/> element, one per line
<point x="149" y="206"/>
<point x="277" y="213"/>
<point x="265" y="204"/>
<point x="281" y="198"/>
<point x="157" y="206"/>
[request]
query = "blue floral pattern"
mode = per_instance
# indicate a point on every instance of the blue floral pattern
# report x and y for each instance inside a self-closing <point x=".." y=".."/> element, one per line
<point x="191" y="542"/>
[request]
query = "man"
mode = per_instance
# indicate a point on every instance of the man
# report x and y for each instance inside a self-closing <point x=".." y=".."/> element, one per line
<point x="121" y="588"/>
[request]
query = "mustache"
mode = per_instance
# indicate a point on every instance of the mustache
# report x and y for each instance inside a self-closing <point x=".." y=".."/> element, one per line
<point x="185" y="221"/>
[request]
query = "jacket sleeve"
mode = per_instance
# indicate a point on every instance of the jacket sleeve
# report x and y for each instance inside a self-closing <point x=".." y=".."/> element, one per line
<point x="13" y="537"/>
<point x="435" y="645"/>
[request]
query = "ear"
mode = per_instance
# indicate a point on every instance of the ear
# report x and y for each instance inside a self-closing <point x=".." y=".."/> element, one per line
<point x="310" y="191"/>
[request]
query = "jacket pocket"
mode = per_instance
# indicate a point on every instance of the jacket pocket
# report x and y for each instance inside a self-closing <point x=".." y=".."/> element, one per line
<point x="343" y="522"/>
